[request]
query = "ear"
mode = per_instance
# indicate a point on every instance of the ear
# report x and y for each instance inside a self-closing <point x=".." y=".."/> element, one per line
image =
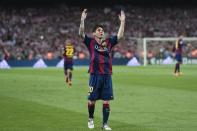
<point x="93" y="33"/>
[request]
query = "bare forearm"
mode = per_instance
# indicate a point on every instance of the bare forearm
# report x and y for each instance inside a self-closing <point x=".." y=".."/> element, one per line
<point x="81" y="29"/>
<point x="121" y="30"/>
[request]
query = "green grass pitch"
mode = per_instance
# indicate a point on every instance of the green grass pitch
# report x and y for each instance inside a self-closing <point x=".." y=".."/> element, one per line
<point x="146" y="99"/>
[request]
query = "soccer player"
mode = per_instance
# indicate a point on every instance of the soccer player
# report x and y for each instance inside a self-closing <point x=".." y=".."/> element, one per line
<point x="100" y="68"/>
<point x="177" y="49"/>
<point x="68" y="52"/>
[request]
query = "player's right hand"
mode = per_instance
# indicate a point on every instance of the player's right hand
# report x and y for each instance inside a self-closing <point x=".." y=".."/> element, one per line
<point x="122" y="16"/>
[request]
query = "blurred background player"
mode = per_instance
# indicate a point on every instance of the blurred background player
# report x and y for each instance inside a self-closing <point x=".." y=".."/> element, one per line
<point x="4" y="54"/>
<point x="100" y="68"/>
<point x="177" y="50"/>
<point x="68" y="52"/>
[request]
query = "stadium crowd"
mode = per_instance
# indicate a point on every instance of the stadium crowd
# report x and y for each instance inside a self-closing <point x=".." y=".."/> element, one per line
<point x="39" y="32"/>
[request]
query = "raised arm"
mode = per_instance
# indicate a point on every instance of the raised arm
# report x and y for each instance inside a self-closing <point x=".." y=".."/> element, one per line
<point x="81" y="27"/>
<point x="122" y="25"/>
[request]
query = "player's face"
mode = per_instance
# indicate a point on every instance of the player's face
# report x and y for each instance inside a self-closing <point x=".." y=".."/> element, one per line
<point x="99" y="33"/>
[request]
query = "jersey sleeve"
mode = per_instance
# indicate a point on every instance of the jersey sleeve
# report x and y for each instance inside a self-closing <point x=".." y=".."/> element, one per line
<point x="87" y="41"/>
<point x="183" y="44"/>
<point x="113" y="40"/>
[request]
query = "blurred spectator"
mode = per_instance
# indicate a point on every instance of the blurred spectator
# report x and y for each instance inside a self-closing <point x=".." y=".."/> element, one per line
<point x="129" y="54"/>
<point x="81" y="55"/>
<point x="33" y="33"/>
<point x="4" y="54"/>
<point x="194" y="53"/>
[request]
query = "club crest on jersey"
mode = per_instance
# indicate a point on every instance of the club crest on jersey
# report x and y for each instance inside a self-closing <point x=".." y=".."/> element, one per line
<point x="101" y="48"/>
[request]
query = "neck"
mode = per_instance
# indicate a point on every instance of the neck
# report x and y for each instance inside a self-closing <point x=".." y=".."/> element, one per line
<point x="98" y="40"/>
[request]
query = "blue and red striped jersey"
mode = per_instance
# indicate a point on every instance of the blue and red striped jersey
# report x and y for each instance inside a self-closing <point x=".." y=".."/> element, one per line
<point x="100" y="55"/>
<point x="178" y="46"/>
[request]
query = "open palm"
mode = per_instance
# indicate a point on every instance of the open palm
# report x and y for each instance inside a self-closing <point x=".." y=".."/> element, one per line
<point x="122" y="16"/>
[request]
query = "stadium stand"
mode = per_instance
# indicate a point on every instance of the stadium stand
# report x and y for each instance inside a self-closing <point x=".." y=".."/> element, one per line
<point x="39" y="32"/>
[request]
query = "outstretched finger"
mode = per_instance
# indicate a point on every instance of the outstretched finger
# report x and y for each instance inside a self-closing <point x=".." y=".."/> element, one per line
<point x="84" y="10"/>
<point x="122" y="13"/>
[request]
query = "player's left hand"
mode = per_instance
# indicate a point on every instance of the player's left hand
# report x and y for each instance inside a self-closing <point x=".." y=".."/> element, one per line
<point x="122" y="16"/>
<point x="83" y="15"/>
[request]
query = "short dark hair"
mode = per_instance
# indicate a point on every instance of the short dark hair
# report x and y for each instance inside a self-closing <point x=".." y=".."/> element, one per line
<point x="96" y="26"/>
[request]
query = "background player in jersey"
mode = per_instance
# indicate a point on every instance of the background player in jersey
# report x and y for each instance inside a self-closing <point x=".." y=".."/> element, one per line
<point x="177" y="49"/>
<point x="68" y="52"/>
<point x="100" y="67"/>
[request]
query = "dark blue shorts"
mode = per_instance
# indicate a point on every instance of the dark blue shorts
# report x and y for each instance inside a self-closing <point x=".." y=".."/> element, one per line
<point x="100" y="87"/>
<point x="178" y="58"/>
<point x="68" y="66"/>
